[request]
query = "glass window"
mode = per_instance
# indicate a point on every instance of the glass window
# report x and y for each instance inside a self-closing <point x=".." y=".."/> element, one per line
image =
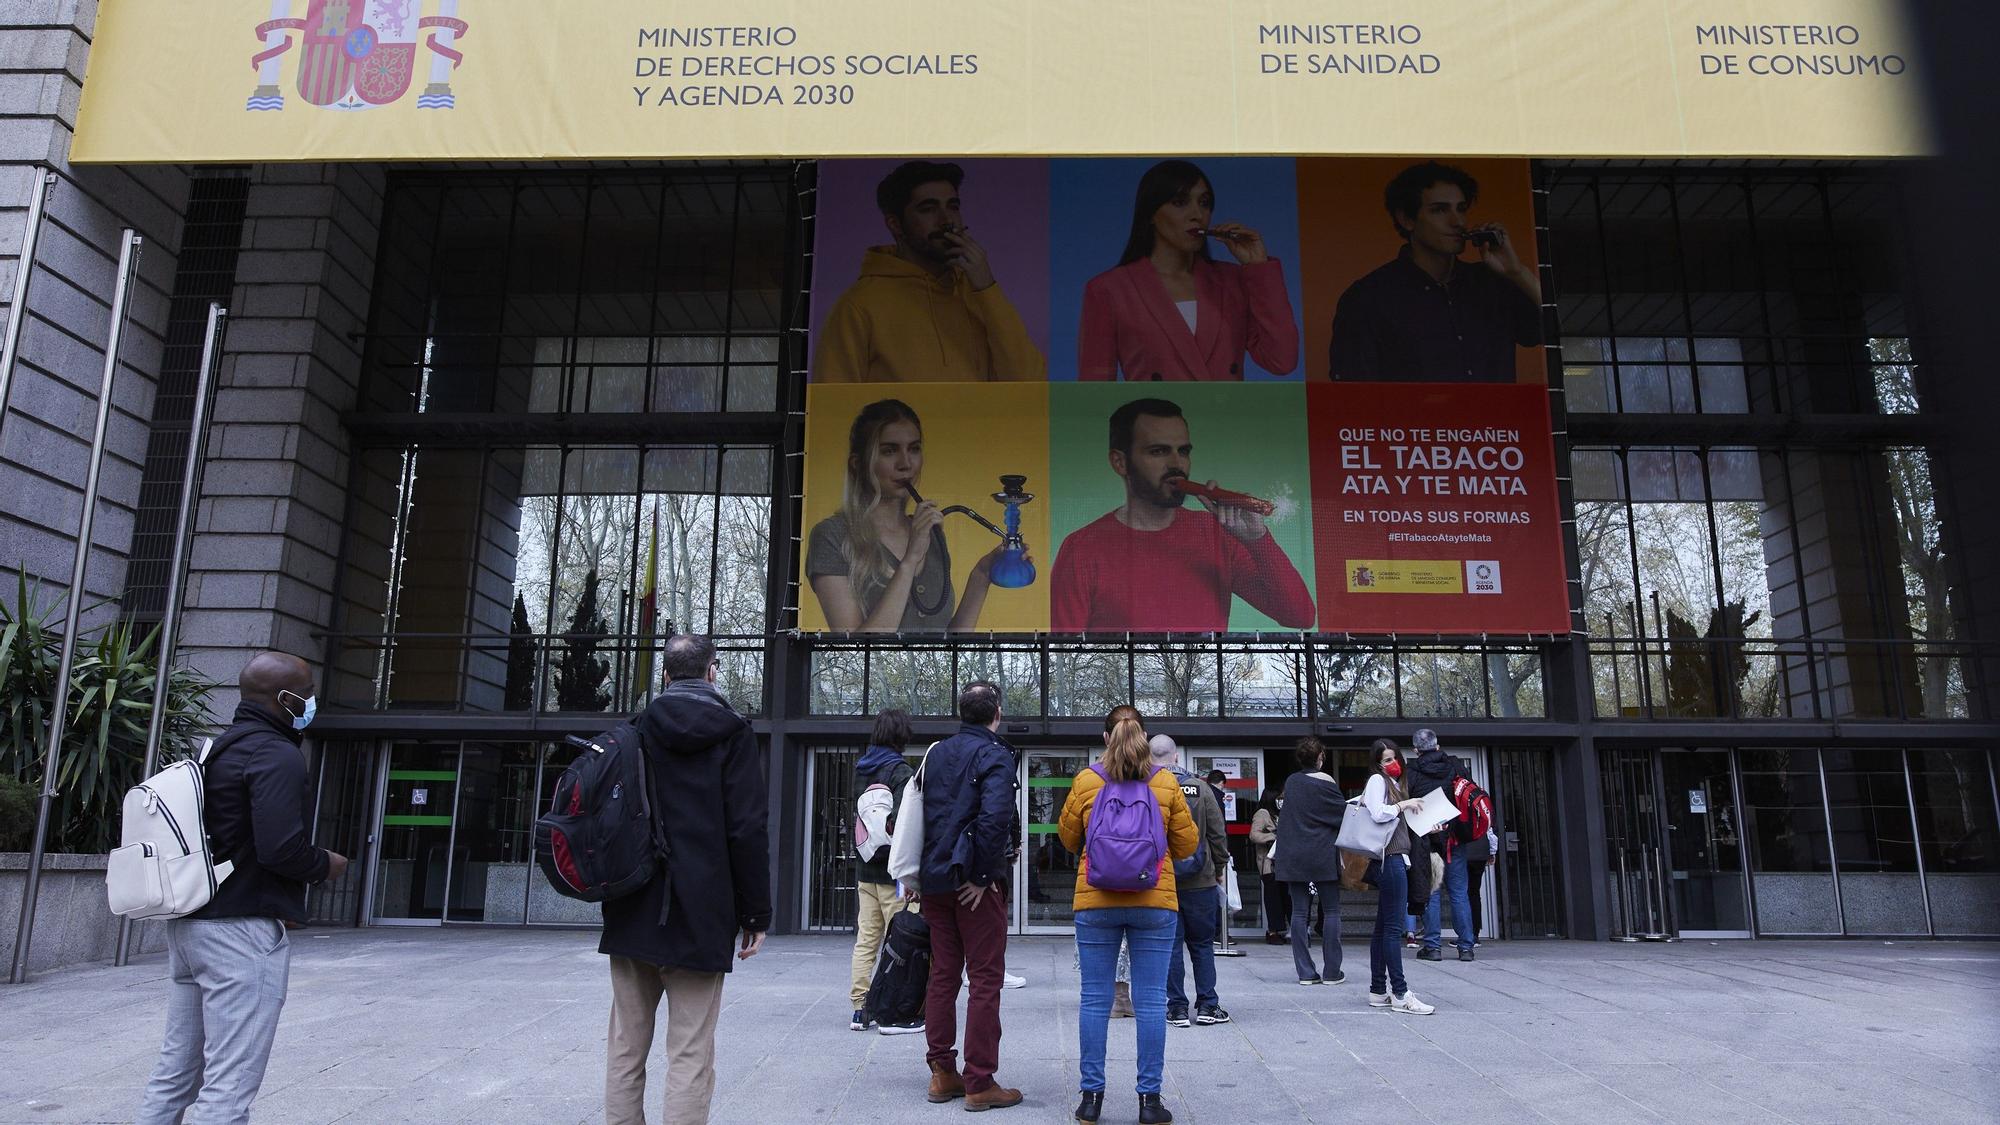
<point x="1175" y="681"/>
<point x="1872" y="839"/>
<point x="1791" y="867"/>
<point x="1959" y="836"/>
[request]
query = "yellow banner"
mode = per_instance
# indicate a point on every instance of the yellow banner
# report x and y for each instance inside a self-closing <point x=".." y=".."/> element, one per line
<point x="265" y="80"/>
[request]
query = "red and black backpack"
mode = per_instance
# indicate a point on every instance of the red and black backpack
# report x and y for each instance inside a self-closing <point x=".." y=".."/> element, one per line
<point x="601" y="838"/>
<point x="1475" y="809"/>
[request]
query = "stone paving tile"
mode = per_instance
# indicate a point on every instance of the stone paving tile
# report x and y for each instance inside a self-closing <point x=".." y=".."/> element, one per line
<point x="508" y="1025"/>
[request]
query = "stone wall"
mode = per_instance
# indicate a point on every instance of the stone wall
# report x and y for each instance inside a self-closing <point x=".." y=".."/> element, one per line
<point x="72" y="923"/>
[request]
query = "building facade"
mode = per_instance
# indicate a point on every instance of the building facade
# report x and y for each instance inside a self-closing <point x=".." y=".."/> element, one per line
<point x="484" y="430"/>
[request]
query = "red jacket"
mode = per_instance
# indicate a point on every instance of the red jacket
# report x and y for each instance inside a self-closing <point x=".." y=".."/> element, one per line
<point x="1131" y="327"/>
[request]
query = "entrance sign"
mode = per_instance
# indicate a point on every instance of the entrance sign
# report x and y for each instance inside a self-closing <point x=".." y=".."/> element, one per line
<point x="274" y="80"/>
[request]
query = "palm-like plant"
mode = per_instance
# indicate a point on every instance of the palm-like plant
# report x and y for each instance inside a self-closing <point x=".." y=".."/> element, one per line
<point x="110" y="706"/>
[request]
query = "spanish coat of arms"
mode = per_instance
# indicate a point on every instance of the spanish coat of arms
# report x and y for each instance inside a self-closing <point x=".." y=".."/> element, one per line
<point x="358" y="54"/>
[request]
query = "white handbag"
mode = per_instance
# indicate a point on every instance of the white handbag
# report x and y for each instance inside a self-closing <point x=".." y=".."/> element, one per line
<point x="906" y="850"/>
<point x="1359" y="832"/>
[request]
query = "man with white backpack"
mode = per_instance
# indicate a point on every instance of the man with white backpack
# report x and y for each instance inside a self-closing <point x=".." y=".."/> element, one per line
<point x="230" y="960"/>
<point x="879" y="776"/>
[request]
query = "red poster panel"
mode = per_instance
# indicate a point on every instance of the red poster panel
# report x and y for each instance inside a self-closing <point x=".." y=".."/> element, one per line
<point x="1435" y="509"/>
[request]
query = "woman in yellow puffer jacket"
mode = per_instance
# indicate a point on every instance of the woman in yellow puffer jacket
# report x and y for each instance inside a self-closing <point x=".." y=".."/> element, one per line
<point x="1142" y="919"/>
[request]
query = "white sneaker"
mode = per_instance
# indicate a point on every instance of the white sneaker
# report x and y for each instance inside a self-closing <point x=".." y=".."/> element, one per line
<point x="1408" y="1004"/>
<point x="1009" y="980"/>
<point x="1379" y="1000"/>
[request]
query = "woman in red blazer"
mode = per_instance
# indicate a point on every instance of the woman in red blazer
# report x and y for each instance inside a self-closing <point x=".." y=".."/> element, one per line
<point x="1170" y="312"/>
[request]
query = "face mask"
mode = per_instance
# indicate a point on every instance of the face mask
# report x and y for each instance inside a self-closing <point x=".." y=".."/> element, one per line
<point x="304" y="719"/>
<point x="1393" y="768"/>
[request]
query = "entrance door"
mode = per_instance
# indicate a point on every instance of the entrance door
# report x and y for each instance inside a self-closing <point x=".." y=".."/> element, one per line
<point x="1242" y="784"/>
<point x="1044" y="904"/>
<point x="413" y="865"/>
<point x="1706" y="890"/>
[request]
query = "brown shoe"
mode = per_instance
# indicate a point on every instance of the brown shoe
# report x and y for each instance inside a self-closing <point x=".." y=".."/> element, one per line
<point x="1121" y="1001"/>
<point x="945" y="1083"/>
<point x="995" y="1096"/>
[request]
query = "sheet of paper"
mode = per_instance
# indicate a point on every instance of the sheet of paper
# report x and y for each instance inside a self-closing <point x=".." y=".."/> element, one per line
<point x="1437" y="810"/>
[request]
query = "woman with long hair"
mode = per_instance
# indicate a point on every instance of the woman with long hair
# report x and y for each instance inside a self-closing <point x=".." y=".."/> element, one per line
<point x="1308" y="859"/>
<point x="1384" y="799"/>
<point x="880" y="563"/>
<point x="1277" y="899"/>
<point x="1169" y="311"/>
<point x="1144" y="919"/>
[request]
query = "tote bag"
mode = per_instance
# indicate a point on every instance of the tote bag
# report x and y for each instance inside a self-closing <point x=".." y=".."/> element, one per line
<point x="906" y="848"/>
<point x="1359" y="833"/>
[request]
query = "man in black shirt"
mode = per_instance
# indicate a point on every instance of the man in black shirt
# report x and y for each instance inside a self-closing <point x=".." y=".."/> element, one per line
<point x="1429" y="315"/>
<point x="229" y="961"/>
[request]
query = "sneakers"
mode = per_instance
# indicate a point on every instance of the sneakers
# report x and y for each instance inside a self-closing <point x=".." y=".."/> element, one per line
<point x="1009" y="980"/>
<point x="1337" y="978"/>
<point x="1465" y="954"/>
<point x="1177" y="1014"/>
<point x="860" y="1021"/>
<point x="1307" y="982"/>
<point x="1429" y="955"/>
<point x="906" y="1027"/>
<point x="1210" y="1014"/>
<point x="1409" y="1005"/>
<point x="1379" y="1000"/>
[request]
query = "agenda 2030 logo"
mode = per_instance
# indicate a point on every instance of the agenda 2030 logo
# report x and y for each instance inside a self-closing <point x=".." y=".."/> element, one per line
<point x="358" y="54"/>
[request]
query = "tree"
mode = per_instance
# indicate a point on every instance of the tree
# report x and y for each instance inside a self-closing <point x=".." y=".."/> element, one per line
<point x="521" y="652"/>
<point x="581" y="675"/>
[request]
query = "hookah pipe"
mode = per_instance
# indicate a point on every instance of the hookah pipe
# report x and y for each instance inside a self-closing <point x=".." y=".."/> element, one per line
<point x="1227" y="498"/>
<point x="1011" y="570"/>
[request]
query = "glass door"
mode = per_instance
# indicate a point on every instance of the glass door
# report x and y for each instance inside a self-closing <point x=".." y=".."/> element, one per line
<point x="413" y="868"/>
<point x="1242" y="785"/>
<point x="1050" y="869"/>
<point x="1706" y="889"/>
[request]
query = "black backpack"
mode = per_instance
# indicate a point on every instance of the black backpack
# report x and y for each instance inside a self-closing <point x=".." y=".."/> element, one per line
<point x="600" y="838"/>
<point x="904" y="973"/>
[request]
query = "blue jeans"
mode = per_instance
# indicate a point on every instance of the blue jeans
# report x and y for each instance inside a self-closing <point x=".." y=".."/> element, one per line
<point x="1149" y="931"/>
<point x="1461" y="905"/>
<point x="1385" y="952"/>
<point x="1329" y="933"/>
<point x="1195" y="926"/>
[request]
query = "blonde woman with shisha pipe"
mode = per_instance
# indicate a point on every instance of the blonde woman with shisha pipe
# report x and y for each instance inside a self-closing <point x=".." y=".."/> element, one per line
<point x="880" y="565"/>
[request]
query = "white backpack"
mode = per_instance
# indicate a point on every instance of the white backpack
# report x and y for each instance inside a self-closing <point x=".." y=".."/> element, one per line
<point x="164" y="869"/>
<point x="871" y="821"/>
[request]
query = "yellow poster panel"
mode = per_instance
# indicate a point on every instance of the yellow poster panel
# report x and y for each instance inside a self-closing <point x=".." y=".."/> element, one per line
<point x="878" y="456"/>
<point x="272" y="80"/>
<point x="1405" y="576"/>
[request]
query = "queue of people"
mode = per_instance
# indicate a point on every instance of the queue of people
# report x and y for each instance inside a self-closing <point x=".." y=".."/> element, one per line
<point x="1152" y="849"/>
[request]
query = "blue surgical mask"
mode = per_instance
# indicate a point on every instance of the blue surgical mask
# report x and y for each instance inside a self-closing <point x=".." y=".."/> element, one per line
<point x="304" y="719"/>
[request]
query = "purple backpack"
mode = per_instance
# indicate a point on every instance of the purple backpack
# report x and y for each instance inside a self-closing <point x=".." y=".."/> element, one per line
<point x="1125" y="842"/>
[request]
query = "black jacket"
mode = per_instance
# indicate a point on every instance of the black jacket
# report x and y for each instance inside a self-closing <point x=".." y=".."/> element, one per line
<point x="708" y="787"/>
<point x="257" y="810"/>
<point x="1307" y="833"/>
<point x="971" y="812"/>
<point x="1432" y="769"/>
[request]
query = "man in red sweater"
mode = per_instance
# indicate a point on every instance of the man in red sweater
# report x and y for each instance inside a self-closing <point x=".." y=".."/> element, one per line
<point x="1156" y="565"/>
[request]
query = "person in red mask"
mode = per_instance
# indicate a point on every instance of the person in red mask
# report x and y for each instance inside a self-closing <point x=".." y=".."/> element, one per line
<point x="1384" y="799"/>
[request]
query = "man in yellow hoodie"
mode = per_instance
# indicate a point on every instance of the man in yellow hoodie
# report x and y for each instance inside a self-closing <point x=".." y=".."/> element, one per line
<point x="926" y="309"/>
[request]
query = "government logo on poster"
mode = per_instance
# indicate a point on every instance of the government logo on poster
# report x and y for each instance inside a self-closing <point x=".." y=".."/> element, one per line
<point x="357" y="54"/>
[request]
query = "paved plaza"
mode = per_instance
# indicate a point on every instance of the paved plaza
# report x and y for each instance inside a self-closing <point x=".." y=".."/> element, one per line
<point x="394" y="1025"/>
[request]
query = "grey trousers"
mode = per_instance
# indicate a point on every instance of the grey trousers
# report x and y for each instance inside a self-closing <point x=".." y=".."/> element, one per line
<point x="227" y="988"/>
<point x="694" y="1001"/>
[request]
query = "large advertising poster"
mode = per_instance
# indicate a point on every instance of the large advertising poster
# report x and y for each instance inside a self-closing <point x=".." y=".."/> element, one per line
<point x="1341" y="426"/>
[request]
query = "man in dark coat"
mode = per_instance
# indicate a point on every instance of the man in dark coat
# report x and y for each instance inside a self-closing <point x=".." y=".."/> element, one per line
<point x="1434" y="769"/>
<point x="970" y="781"/>
<point x="708" y="788"/>
<point x="229" y="962"/>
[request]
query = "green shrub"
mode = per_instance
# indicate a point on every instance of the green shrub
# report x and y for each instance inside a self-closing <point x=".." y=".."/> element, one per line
<point x="17" y="814"/>
<point x="110" y="704"/>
